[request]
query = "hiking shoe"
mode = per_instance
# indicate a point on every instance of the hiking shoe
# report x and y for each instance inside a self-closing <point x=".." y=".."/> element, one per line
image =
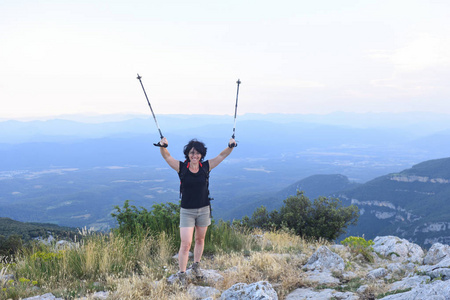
<point x="181" y="278"/>
<point x="196" y="270"/>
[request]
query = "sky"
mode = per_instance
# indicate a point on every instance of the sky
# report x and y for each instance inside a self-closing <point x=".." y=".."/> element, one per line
<point x="312" y="57"/>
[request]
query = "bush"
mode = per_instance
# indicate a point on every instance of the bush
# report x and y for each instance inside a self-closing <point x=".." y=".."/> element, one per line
<point x="359" y="245"/>
<point x="10" y="246"/>
<point x="324" y="218"/>
<point x="165" y="218"/>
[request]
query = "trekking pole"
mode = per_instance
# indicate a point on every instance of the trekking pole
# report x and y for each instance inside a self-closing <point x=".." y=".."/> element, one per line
<point x="235" y="110"/>
<point x="154" y="117"/>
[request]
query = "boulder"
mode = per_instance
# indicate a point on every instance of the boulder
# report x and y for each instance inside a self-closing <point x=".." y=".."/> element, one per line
<point x="324" y="259"/>
<point x="203" y="292"/>
<point x="100" y="295"/>
<point x="409" y="282"/>
<point x="396" y="268"/>
<point x="210" y="277"/>
<point x="48" y="296"/>
<point x="326" y="294"/>
<point x="5" y="278"/>
<point x="261" y="290"/>
<point x="440" y="270"/>
<point x="321" y="278"/>
<point x="398" y="249"/>
<point x="437" y="290"/>
<point x="377" y="273"/>
<point x="437" y="253"/>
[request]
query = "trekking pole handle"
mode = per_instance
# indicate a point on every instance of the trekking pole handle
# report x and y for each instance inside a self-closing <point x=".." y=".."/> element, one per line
<point x="159" y="145"/>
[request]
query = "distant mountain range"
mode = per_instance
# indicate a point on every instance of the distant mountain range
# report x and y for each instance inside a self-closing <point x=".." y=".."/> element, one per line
<point x="72" y="173"/>
<point x="313" y="186"/>
<point x="413" y="204"/>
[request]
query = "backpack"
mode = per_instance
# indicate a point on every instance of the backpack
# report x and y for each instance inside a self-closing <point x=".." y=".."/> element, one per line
<point x="183" y="170"/>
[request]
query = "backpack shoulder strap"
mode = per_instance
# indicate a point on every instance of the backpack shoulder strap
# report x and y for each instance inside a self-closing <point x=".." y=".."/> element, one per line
<point x="184" y="166"/>
<point x="205" y="168"/>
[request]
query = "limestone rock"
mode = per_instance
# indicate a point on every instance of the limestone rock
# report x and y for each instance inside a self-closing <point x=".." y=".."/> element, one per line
<point x="261" y="290"/>
<point x="441" y="269"/>
<point x="398" y="249"/>
<point x="377" y="273"/>
<point x="321" y="278"/>
<point x="437" y="290"/>
<point x="48" y="296"/>
<point x="203" y="292"/>
<point x="100" y="295"/>
<point x="437" y="253"/>
<point x="304" y="294"/>
<point x="409" y="282"/>
<point x="362" y="289"/>
<point x="324" y="259"/>
<point x="6" y="277"/>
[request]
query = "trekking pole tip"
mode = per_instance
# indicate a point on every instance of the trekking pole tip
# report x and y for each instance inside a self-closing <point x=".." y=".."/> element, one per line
<point x="238" y="81"/>
<point x="138" y="76"/>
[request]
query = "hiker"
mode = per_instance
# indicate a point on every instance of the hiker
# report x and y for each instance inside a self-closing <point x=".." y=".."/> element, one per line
<point x="195" y="211"/>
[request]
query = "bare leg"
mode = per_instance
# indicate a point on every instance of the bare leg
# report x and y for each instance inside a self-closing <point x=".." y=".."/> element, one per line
<point x="200" y="233"/>
<point x="186" y="241"/>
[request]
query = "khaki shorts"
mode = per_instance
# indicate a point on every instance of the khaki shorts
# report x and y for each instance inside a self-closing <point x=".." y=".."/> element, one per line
<point x="191" y="217"/>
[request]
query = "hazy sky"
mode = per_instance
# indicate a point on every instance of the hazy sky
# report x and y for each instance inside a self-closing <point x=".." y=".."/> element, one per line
<point x="82" y="56"/>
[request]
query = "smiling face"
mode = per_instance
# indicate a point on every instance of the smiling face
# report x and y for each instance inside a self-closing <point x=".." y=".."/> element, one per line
<point x="194" y="156"/>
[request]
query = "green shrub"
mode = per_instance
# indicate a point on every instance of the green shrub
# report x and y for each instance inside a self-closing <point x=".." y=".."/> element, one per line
<point x="358" y="245"/>
<point x="165" y="218"/>
<point x="322" y="218"/>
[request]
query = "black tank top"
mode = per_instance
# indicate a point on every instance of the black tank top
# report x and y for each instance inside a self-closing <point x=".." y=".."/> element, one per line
<point x="194" y="189"/>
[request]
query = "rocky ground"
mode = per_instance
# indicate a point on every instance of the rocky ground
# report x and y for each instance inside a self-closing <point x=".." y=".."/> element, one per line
<point x="396" y="269"/>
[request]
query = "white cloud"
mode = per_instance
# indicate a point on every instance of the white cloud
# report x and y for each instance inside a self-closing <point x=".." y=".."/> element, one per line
<point x="417" y="67"/>
<point x="294" y="83"/>
<point x="421" y="53"/>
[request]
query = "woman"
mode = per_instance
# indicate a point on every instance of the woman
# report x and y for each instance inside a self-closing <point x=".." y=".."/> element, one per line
<point x="195" y="207"/>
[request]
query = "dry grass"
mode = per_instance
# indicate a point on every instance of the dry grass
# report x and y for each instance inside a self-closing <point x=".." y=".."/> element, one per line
<point x="143" y="287"/>
<point x="137" y="268"/>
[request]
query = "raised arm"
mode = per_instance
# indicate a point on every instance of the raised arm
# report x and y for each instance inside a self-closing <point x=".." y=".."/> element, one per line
<point x="214" y="162"/>
<point x="172" y="162"/>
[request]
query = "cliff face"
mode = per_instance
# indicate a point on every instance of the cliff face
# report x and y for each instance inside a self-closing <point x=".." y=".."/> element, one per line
<point x="414" y="204"/>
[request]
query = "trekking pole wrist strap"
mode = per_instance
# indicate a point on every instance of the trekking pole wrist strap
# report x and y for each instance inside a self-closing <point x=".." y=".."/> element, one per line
<point x="159" y="145"/>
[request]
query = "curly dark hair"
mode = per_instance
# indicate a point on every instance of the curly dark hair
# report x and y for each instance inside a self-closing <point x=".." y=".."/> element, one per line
<point x="199" y="146"/>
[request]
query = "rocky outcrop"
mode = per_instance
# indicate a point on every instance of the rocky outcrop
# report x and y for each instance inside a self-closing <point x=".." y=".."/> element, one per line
<point x="437" y="253"/>
<point x="424" y="179"/>
<point x="308" y="294"/>
<point x="434" y="290"/>
<point x="261" y="290"/>
<point x="324" y="259"/>
<point x="398" y="249"/>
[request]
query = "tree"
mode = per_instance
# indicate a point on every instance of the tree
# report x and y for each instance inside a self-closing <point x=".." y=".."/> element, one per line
<point x="294" y="213"/>
<point x="327" y="218"/>
<point x="323" y="218"/>
<point x="260" y="218"/>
